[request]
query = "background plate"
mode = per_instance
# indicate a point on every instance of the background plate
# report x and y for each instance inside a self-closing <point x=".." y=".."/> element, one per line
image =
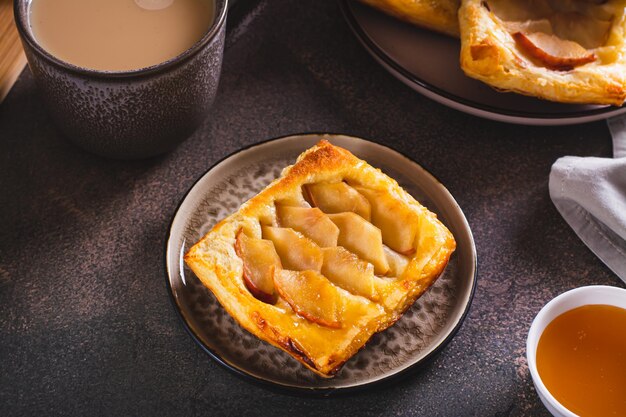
<point x="421" y="332"/>
<point x="429" y="63"/>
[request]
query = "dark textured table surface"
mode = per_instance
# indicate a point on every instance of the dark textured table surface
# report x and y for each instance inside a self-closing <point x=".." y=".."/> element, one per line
<point x="86" y="324"/>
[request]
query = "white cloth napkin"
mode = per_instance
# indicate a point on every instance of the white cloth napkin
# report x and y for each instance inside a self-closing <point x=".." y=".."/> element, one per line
<point x="590" y="194"/>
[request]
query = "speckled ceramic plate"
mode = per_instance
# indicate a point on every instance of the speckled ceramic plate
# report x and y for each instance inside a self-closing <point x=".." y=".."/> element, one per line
<point x="421" y="332"/>
<point x="429" y="63"/>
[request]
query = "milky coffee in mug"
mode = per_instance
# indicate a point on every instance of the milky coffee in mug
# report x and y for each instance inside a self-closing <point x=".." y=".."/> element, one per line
<point x="125" y="78"/>
<point x="119" y="35"/>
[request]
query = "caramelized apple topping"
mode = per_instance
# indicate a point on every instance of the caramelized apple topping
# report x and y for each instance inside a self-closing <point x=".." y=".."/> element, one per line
<point x="562" y="36"/>
<point x="553" y="52"/>
<point x="260" y="260"/>
<point x="362" y="238"/>
<point x="558" y="34"/>
<point x="346" y="270"/>
<point x="296" y="251"/>
<point x="397" y="262"/>
<point x="350" y="240"/>
<point x="337" y="197"/>
<point x="310" y="295"/>
<point x="397" y="223"/>
<point x="311" y="222"/>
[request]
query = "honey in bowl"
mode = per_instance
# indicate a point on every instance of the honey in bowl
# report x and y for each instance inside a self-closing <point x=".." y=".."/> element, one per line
<point x="119" y="35"/>
<point x="581" y="359"/>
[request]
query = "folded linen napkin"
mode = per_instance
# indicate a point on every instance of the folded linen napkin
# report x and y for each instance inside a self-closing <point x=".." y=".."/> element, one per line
<point x="590" y="194"/>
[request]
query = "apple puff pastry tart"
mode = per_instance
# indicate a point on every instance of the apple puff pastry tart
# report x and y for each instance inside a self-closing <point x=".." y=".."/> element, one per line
<point x="437" y="15"/>
<point x="325" y="256"/>
<point x="570" y="51"/>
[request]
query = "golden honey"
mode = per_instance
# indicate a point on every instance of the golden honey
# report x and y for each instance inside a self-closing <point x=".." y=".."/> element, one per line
<point x="581" y="359"/>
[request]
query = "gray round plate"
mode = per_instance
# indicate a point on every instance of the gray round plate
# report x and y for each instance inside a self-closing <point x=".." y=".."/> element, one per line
<point x="421" y="332"/>
<point x="429" y="63"/>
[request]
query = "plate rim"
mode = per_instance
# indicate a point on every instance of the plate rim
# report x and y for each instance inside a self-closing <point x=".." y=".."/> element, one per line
<point x="459" y="103"/>
<point x="316" y="391"/>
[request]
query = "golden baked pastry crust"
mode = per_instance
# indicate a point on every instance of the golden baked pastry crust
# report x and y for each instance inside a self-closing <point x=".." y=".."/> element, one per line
<point x="323" y="349"/>
<point x="490" y="54"/>
<point x="437" y="15"/>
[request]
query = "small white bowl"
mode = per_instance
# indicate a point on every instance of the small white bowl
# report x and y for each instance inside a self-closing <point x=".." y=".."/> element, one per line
<point x="595" y="294"/>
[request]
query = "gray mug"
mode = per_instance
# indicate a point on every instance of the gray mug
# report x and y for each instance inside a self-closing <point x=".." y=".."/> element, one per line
<point x="129" y="114"/>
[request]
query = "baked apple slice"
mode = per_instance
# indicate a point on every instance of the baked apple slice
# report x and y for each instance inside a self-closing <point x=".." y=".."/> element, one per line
<point x="296" y="251"/>
<point x="311" y="222"/>
<point x="346" y="270"/>
<point x="362" y="238"/>
<point x="397" y="262"/>
<point x="397" y="223"/>
<point x="337" y="197"/>
<point x="260" y="260"/>
<point x="310" y="295"/>
<point x="553" y="52"/>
